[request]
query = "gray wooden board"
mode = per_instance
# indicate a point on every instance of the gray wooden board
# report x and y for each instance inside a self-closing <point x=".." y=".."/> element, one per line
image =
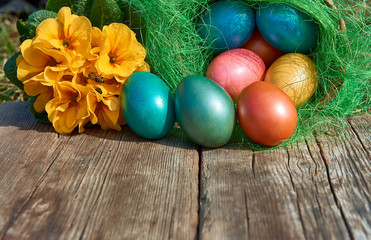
<point x="115" y="185"/>
<point x="318" y="188"/>
<point x="95" y="185"/>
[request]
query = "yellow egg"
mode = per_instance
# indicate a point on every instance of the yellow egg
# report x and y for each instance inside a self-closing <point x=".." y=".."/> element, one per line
<point x="296" y="74"/>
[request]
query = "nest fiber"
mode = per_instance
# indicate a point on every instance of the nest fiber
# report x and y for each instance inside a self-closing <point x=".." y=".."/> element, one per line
<point x="342" y="55"/>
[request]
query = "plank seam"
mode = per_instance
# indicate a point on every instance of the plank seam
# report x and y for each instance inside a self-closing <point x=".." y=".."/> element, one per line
<point x="198" y="232"/>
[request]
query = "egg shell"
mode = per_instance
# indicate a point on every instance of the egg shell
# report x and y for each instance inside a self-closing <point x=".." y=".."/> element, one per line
<point x="236" y="69"/>
<point x="204" y="111"/>
<point x="148" y="106"/>
<point x="266" y="113"/>
<point x="226" y="25"/>
<point x="286" y="28"/>
<point x="296" y="74"/>
<point x="260" y="46"/>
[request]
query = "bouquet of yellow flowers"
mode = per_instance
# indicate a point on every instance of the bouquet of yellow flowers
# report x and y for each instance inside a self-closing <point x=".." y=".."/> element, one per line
<point x="76" y="71"/>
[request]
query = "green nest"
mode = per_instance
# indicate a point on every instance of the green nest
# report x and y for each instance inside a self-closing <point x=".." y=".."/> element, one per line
<point x="342" y="55"/>
<point x="174" y="50"/>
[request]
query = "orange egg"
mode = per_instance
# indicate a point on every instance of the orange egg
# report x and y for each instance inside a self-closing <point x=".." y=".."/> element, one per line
<point x="296" y="74"/>
<point x="259" y="45"/>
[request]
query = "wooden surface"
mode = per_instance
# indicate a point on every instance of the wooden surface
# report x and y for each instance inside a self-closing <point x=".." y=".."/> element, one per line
<point x="115" y="185"/>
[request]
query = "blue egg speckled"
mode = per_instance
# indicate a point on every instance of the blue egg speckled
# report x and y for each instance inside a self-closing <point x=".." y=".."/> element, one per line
<point x="148" y="106"/>
<point x="226" y="25"/>
<point x="286" y="28"/>
<point x="204" y="111"/>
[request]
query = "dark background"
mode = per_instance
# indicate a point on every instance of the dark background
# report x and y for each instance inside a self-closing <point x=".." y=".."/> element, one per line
<point x="21" y="8"/>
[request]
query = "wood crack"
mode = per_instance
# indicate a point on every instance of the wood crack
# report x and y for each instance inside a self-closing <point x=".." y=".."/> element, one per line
<point x="247" y="215"/>
<point x="171" y="221"/>
<point x="34" y="189"/>
<point x="253" y="162"/>
<point x="358" y="137"/>
<point x="97" y="198"/>
<point x="297" y="195"/>
<point x="333" y="192"/>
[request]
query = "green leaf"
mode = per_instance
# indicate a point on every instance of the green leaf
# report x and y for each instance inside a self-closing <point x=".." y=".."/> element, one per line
<point x="100" y="12"/>
<point x="79" y="7"/>
<point x="43" y="117"/>
<point x="27" y="29"/>
<point x="104" y="12"/>
<point x="133" y="18"/>
<point x="37" y="17"/>
<point x="10" y="70"/>
<point x="55" y="5"/>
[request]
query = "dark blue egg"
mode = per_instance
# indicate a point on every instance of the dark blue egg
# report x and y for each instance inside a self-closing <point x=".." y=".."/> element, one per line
<point x="204" y="111"/>
<point x="286" y="28"/>
<point x="226" y="25"/>
<point x="148" y="106"/>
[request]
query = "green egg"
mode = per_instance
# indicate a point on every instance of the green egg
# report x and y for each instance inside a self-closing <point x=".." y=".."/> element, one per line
<point x="205" y="111"/>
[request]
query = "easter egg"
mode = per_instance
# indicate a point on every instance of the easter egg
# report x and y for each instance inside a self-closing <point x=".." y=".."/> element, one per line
<point x="147" y="105"/>
<point x="296" y="74"/>
<point x="286" y="28"/>
<point x="236" y="69"/>
<point x="260" y="46"/>
<point x="266" y="113"/>
<point x="226" y="25"/>
<point x="204" y="111"/>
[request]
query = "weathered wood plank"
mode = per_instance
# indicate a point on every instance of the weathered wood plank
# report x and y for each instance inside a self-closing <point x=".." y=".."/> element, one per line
<point x="349" y="170"/>
<point x="99" y="185"/>
<point x="283" y="194"/>
<point x="21" y="170"/>
<point x="361" y="126"/>
<point x="151" y="191"/>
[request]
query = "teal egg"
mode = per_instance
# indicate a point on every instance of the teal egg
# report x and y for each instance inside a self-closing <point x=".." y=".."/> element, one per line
<point x="205" y="111"/>
<point x="286" y="28"/>
<point x="148" y="105"/>
<point x="226" y="25"/>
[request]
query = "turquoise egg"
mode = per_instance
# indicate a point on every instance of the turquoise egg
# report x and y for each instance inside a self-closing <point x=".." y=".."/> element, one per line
<point x="286" y="28"/>
<point x="226" y="25"/>
<point x="148" y="106"/>
<point x="205" y="111"/>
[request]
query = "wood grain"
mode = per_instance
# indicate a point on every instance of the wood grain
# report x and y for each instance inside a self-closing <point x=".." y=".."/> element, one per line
<point x="288" y="193"/>
<point x="115" y="185"/>
<point x="21" y="170"/>
<point x="96" y="185"/>
<point x="349" y="172"/>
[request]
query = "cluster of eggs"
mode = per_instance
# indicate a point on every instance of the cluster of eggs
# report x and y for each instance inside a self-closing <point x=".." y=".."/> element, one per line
<point x="246" y="43"/>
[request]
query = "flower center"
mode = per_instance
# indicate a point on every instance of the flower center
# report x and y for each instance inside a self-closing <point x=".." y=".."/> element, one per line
<point x="112" y="59"/>
<point x="74" y="98"/>
<point x="53" y="63"/>
<point x="99" y="106"/>
<point x="66" y="44"/>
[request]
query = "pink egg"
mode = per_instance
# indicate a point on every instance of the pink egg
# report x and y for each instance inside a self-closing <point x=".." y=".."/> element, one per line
<point x="236" y="69"/>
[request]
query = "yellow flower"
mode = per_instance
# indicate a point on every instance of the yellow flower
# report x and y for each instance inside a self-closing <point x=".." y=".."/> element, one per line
<point x="39" y="72"/>
<point x="33" y="61"/>
<point x="121" y="53"/>
<point x="35" y="87"/>
<point x="69" y="108"/>
<point x="68" y="33"/>
<point x="106" y="111"/>
<point x="97" y="41"/>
